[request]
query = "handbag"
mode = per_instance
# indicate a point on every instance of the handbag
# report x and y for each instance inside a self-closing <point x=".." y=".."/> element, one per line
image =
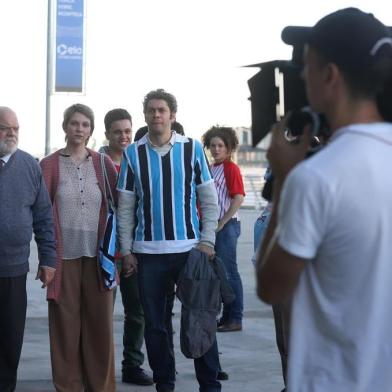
<point x="107" y="246"/>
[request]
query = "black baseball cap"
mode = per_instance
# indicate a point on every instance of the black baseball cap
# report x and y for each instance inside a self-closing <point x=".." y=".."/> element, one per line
<point x="348" y="37"/>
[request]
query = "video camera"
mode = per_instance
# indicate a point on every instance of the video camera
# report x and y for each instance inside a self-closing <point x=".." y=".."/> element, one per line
<point x="278" y="89"/>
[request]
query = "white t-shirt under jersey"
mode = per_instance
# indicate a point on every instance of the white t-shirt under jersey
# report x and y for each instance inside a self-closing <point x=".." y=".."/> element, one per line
<point x="336" y="211"/>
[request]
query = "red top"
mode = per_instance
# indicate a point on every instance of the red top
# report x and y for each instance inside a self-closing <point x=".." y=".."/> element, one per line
<point x="228" y="183"/>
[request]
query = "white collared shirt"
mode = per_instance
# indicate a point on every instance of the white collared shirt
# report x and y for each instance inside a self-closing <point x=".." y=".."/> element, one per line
<point x="161" y="150"/>
<point x="6" y="157"/>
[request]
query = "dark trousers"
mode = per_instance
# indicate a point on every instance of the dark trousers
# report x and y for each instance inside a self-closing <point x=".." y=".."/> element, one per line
<point x="133" y="323"/>
<point x="282" y="330"/>
<point x="155" y="271"/>
<point x="170" y="298"/>
<point x="13" y="304"/>
<point x="133" y="334"/>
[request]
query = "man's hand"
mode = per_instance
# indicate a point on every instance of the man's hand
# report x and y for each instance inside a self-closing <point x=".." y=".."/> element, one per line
<point x="283" y="155"/>
<point x="45" y="275"/>
<point x="129" y="265"/>
<point x="209" y="250"/>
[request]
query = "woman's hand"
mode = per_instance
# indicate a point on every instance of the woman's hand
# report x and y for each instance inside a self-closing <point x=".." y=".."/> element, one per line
<point x="221" y="224"/>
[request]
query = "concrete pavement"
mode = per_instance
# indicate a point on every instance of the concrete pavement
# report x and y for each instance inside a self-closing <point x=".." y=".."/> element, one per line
<point x="250" y="356"/>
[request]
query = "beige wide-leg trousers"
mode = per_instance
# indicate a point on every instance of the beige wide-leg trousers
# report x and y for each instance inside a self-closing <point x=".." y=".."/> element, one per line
<point x="81" y="331"/>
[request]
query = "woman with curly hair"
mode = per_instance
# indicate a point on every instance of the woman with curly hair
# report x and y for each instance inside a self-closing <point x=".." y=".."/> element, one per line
<point x="222" y="142"/>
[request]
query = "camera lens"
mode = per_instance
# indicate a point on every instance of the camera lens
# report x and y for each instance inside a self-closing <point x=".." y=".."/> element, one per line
<point x="298" y="120"/>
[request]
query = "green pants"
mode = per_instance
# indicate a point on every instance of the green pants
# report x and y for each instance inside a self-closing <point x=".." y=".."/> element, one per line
<point x="133" y="323"/>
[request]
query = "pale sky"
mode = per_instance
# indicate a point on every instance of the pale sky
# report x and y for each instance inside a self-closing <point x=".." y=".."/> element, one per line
<point x="193" y="49"/>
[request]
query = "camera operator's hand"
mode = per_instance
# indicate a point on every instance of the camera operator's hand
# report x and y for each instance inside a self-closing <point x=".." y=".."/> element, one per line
<point x="284" y="155"/>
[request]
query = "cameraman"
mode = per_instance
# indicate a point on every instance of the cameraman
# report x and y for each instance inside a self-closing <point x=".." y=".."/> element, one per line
<point x="328" y="244"/>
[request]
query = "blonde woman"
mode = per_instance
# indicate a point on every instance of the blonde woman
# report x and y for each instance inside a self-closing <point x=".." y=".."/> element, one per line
<point x="80" y="308"/>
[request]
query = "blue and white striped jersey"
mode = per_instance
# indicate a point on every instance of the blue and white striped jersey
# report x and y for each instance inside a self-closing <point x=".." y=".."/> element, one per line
<point x="165" y="187"/>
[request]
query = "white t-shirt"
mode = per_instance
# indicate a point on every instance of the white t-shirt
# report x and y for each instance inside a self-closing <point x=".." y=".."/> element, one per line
<point x="336" y="211"/>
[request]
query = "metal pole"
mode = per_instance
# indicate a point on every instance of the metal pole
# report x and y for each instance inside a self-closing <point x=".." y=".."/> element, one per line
<point x="48" y="78"/>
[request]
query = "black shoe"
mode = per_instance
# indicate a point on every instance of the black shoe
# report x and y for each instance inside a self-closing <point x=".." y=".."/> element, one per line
<point x="220" y="322"/>
<point x="136" y="376"/>
<point x="222" y="376"/>
<point x="231" y="327"/>
<point x="165" y="389"/>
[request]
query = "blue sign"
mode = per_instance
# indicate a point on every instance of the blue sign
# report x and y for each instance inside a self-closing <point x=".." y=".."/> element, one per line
<point x="69" y="45"/>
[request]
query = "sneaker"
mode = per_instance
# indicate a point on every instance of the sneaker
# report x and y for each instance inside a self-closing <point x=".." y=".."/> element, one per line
<point x="136" y="376"/>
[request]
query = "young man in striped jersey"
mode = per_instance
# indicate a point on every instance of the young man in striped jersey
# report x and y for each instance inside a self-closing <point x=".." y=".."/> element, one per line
<point x="158" y="224"/>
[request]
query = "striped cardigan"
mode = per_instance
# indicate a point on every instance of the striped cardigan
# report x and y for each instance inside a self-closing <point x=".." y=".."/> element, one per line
<point x="50" y="171"/>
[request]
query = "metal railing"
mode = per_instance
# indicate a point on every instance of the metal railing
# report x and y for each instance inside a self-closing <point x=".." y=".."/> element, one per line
<point x="253" y="179"/>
